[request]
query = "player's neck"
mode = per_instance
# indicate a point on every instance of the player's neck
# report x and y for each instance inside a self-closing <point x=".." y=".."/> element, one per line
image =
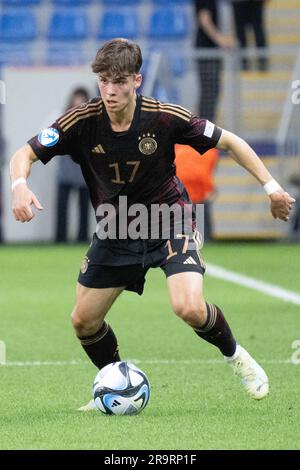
<point x="121" y="120"/>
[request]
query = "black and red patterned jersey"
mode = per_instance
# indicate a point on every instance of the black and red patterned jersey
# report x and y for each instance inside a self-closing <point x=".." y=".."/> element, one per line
<point x="138" y="163"/>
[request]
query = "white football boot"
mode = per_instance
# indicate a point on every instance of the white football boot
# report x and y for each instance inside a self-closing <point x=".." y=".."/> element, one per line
<point x="252" y="375"/>
<point x="90" y="406"/>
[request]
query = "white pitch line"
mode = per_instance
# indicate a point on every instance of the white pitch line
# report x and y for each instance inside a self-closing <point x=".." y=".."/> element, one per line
<point x="202" y="361"/>
<point x="136" y="361"/>
<point x="261" y="286"/>
<point x="44" y="363"/>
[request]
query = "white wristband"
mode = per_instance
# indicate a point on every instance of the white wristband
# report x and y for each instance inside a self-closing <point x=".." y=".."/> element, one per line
<point x="271" y="186"/>
<point x="18" y="181"/>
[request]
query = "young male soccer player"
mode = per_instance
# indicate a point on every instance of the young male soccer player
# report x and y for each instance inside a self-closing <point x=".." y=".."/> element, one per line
<point x="124" y="143"/>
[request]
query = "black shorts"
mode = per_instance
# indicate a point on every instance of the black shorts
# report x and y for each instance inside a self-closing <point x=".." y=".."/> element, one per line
<point x="118" y="263"/>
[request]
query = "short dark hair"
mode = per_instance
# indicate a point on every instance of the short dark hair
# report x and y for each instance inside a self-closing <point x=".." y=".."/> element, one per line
<point x="118" y="57"/>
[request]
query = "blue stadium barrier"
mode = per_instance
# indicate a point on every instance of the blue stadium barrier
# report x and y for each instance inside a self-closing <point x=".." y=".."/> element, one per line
<point x="160" y="90"/>
<point x="178" y="64"/>
<point x="69" y="26"/>
<point x="120" y="24"/>
<point x="172" y="2"/>
<point x="168" y="23"/>
<point x="165" y="94"/>
<point x="18" y="27"/>
<point x="71" y="3"/>
<point x="124" y="3"/>
<point x="21" y="3"/>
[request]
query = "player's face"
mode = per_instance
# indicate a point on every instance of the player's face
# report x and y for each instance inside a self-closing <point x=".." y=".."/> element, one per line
<point x="118" y="92"/>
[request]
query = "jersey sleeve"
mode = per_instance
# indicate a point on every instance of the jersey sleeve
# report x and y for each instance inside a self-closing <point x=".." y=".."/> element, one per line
<point x="200" y="134"/>
<point x="54" y="141"/>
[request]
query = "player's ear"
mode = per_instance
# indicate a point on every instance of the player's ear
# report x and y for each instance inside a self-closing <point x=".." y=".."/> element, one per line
<point x="138" y="81"/>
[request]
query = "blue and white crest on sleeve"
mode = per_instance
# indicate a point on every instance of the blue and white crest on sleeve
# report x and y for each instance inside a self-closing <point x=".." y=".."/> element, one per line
<point x="48" y="137"/>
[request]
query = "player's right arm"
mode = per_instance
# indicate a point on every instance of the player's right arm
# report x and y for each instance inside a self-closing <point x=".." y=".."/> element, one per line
<point x="22" y="197"/>
<point x="61" y="138"/>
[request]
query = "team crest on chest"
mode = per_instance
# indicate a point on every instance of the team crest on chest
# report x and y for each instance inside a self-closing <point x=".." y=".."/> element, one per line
<point x="147" y="144"/>
<point x="84" y="265"/>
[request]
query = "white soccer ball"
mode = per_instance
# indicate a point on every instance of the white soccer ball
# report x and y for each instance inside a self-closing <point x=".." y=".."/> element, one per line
<point x="121" y="388"/>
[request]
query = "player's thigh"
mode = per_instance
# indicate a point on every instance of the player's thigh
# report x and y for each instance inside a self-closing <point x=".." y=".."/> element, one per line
<point x="92" y="304"/>
<point x="184" y="269"/>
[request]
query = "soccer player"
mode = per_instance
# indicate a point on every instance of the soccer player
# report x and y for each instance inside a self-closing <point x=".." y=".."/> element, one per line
<point x="124" y="143"/>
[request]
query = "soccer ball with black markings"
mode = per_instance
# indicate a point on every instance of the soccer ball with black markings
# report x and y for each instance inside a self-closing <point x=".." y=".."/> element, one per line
<point x="121" y="388"/>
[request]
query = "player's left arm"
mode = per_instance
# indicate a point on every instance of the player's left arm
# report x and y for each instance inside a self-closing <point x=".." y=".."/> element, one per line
<point x="244" y="155"/>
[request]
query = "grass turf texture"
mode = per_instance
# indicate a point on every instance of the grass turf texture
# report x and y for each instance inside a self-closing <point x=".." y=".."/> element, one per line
<point x="192" y="405"/>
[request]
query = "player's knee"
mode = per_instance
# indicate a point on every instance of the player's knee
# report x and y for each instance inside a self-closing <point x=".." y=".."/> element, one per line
<point x="78" y="322"/>
<point x="193" y="313"/>
<point x="82" y="324"/>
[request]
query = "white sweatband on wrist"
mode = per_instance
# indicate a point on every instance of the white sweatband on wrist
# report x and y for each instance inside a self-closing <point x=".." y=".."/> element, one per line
<point x="18" y="181"/>
<point x="271" y="187"/>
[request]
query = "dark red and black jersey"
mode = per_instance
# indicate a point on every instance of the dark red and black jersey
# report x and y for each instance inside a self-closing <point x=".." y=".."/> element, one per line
<point x="138" y="163"/>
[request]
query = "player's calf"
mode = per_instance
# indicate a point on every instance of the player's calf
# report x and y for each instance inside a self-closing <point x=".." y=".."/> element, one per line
<point x="101" y="347"/>
<point x="216" y="331"/>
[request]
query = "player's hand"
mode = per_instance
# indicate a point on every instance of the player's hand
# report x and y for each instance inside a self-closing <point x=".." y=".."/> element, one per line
<point x="226" y="42"/>
<point x="281" y="205"/>
<point x="22" y="200"/>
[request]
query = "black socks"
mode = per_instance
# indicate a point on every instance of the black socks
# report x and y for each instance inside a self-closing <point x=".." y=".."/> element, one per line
<point x="217" y="331"/>
<point x="101" y="347"/>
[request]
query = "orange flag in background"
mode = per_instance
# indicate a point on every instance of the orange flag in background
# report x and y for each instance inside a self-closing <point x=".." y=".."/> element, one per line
<point x="196" y="171"/>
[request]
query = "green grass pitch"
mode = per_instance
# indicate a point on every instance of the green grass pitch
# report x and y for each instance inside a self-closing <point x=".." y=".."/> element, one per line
<point x="195" y="403"/>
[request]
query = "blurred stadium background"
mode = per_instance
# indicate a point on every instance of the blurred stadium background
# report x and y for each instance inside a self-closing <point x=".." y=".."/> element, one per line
<point x="46" y="47"/>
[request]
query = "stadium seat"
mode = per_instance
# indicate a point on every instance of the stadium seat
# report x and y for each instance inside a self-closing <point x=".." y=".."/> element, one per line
<point x="168" y="23"/>
<point x="120" y="24"/>
<point x="21" y="3"/>
<point x="16" y="55"/>
<point x="68" y="26"/>
<point x="18" y="27"/>
<point x="61" y="56"/>
<point x="71" y="3"/>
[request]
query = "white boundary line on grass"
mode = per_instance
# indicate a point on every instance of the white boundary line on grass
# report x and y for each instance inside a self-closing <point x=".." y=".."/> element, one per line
<point x="213" y="271"/>
<point x="136" y="361"/>
<point x="261" y="286"/>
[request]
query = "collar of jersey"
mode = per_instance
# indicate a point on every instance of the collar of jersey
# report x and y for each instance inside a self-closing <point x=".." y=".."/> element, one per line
<point x="133" y="123"/>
